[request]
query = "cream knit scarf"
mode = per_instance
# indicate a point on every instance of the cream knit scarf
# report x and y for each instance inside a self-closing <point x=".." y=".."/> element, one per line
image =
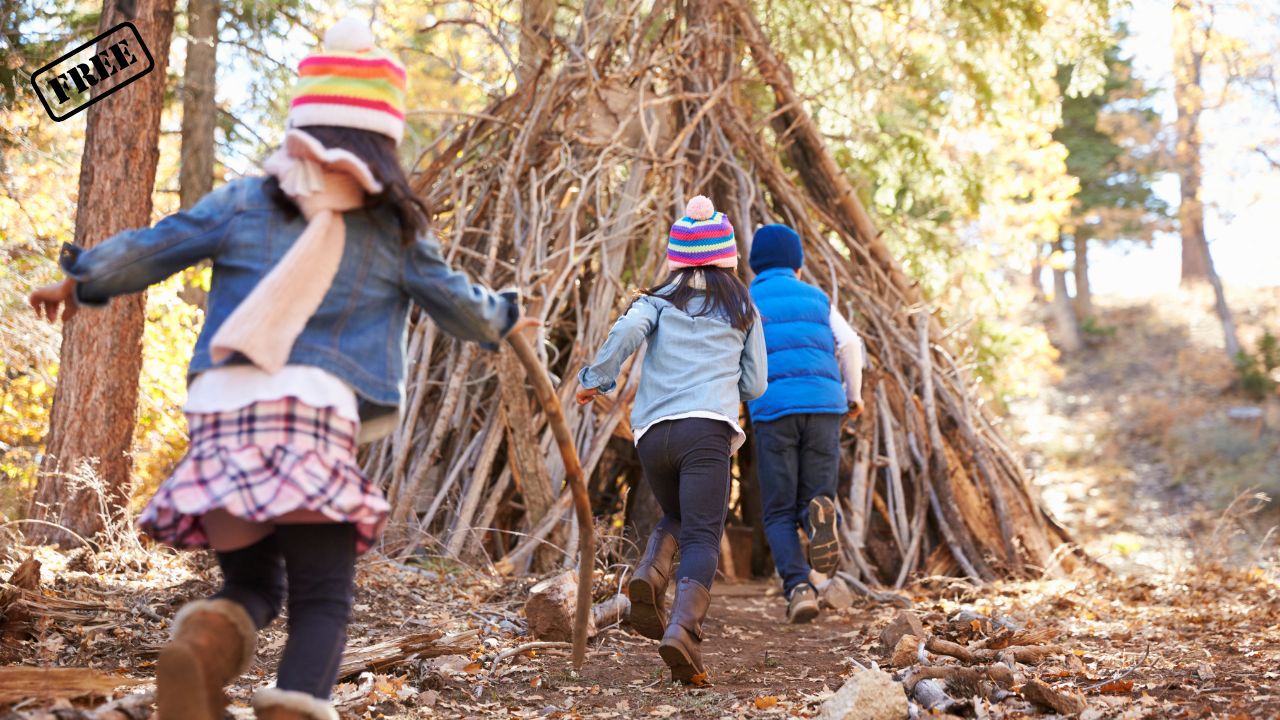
<point x="323" y="183"/>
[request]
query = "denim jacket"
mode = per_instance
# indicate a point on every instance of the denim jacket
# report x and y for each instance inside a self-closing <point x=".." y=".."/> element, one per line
<point x="692" y="363"/>
<point x="359" y="332"/>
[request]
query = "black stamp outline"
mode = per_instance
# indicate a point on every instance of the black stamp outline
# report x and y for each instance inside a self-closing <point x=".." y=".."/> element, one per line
<point x="151" y="65"/>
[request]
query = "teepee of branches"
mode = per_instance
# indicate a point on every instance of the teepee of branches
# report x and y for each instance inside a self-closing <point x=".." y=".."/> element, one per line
<point x="565" y="189"/>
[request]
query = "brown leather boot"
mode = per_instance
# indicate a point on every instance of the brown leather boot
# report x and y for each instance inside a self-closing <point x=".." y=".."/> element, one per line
<point x="648" y="587"/>
<point x="213" y="643"/>
<point x="277" y="704"/>
<point x="681" y="647"/>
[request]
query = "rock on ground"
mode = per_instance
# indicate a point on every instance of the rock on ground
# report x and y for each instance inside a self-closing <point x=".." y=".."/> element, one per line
<point x="867" y="695"/>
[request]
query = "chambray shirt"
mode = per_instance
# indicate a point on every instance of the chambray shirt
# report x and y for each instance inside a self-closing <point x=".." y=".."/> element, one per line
<point x="359" y="332"/>
<point x="692" y="364"/>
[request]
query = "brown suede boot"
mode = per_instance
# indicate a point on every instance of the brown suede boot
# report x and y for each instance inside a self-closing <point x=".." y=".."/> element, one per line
<point x="213" y="643"/>
<point x="648" y="587"/>
<point x="277" y="704"/>
<point x="681" y="647"/>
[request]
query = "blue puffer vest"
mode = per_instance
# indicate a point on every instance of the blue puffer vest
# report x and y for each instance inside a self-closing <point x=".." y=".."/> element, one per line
<point x="803" y="374"/>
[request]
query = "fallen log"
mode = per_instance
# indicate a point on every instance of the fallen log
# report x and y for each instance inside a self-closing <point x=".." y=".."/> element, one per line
<point x="610" y="611"/>
<point x="552" y="607"/>
<point x="399" y="650"/>
<point x="36" y="683"/>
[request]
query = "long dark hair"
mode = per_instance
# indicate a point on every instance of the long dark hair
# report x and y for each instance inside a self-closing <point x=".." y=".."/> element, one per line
<point x="379" y="152"/>
<point x="726" y="296"/>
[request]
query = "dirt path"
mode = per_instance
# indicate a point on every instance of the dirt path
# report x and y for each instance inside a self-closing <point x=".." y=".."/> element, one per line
<point x="750" y="653"/>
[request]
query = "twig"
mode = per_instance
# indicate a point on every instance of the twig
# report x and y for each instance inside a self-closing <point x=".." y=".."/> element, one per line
<point x="1142" y="661"/>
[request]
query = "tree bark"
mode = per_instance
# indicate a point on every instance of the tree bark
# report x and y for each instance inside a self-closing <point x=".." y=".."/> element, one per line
<point x="1084" y="294"/>
<point x="1188" y="55"/>
<point x="1064" y="314"/>
<point x="199" y="113"/>
<point x="537" y="19"/>
<point x="199" y="83"/>
<point x="96" y="399"/>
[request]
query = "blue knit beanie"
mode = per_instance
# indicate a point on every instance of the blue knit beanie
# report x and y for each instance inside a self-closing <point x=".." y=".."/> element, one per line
<point x="776" y="246"/>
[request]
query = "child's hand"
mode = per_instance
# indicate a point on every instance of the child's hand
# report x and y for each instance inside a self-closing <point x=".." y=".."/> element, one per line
<point x="856" y="411"/>
<point x="526" y="323"/>
<point x="586" y="395"/>
<point x="46" y="300"/>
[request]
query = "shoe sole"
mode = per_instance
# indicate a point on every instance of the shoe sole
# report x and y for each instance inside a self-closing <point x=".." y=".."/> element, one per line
<point x="180" y="688"/>
<point x="645" y="616"/>
<point x="682" y="669"/>
<point x="804" y="614"/>
<point x="824" y="545"/>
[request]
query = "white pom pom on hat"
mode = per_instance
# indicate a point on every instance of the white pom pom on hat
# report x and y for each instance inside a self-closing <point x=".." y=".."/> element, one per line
<point x="700" y="208"/>
<point x="350" y="34"/>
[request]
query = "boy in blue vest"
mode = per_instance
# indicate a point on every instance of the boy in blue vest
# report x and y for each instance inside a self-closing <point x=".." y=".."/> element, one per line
<point x="815" y="382"/>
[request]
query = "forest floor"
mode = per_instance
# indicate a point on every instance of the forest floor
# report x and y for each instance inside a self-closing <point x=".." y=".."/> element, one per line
<point x="1132" y="449"/>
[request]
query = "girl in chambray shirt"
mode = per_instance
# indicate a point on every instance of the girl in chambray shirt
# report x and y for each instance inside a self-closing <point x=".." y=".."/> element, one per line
<point x="705" y="356"/>
<point x="314" y="269"/>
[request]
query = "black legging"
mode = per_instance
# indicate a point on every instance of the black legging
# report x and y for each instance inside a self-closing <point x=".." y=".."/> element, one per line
<point x="686" y="463"/>
<point x="318" y="561"/>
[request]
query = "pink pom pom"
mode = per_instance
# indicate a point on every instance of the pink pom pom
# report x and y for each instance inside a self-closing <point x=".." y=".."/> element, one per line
<point x="700" y="208"/>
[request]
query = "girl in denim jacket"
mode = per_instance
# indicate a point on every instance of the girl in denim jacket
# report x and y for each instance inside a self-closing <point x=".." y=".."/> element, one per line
<point x="705" y="356"/>
<point x="302" y="351"/>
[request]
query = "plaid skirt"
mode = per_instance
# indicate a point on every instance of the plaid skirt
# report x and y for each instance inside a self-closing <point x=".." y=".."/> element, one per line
<point x="261" y="462"/>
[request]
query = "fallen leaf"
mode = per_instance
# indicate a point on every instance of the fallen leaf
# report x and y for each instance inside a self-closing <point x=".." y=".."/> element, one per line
<point x="1116" y="687"/>
<point x="765" y="702"/>
<point x="473" y="667"/>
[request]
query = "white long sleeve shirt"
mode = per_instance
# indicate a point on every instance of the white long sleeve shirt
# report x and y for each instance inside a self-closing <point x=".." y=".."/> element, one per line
<point x="850" y="354"/>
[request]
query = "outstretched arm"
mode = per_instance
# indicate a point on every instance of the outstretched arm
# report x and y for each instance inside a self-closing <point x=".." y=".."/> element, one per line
<point x="601" y="376"/>
<point x="461" y="308"/>
<point x="133" y="260"/>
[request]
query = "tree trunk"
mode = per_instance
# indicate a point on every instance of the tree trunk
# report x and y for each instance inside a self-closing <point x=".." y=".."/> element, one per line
<point x="96" y="399"/>
<point x="198" y="108"/>
<point x="199" y="115"/>
<point x="1230" y="341"/>
<point x="1064" y="314"/>
<point x="1084" y="295"/>
<point x="537" y="19"/>
<point x="1188" y="54"/>
<point x="1037" y="275"/>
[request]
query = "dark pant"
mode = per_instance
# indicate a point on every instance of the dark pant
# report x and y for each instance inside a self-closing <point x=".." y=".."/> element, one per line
<point x="318" y="563"/>
<point x="686" y="462"/>
<point x="798" y="459"/>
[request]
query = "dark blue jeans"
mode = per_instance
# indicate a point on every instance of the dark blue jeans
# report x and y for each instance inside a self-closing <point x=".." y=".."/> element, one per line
<point x="316" y="563"/>
<point x="686" y="463"/>
<point x="797" y="459"/>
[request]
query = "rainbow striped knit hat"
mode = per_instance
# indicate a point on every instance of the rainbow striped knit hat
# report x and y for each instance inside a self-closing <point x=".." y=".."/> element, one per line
<point x="702" y="237"/>
<point x="351" y="84"/>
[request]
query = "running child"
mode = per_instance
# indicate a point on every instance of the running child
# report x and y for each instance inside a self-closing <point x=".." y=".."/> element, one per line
<point x="705" y="357"/>
<point x="815" y="382"/>
<point x="315" y="265"/>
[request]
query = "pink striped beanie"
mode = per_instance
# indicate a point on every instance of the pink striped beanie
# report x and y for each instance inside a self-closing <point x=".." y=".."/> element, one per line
<point x="702" y="237"/>
<point x="352" y="83"/>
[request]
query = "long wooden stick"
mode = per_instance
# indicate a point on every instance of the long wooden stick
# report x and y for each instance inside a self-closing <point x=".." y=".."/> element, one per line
<point x="550" y="402"/>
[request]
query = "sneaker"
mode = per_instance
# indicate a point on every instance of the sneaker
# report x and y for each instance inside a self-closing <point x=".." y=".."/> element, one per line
<point x="803" y="605"/>
<point x="824" y="538"/>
